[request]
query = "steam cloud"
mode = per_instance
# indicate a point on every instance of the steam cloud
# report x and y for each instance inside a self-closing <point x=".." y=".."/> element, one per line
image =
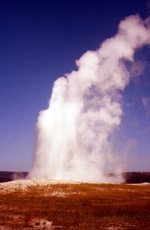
<point x="74" y="135"/>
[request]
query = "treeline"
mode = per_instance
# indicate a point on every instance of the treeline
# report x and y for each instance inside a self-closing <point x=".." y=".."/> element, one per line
<point x="9" y="176"/>
<point x="137" y="177"/>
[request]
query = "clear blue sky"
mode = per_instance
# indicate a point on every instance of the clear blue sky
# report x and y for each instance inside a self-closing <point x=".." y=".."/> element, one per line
<point x="40" y="41"/>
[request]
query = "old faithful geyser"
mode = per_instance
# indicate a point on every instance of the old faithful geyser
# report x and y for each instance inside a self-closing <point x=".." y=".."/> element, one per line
<point x="73" y="139"/>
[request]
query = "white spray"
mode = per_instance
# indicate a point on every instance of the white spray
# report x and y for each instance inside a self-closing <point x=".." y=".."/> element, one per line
<point x="74" y="135"/>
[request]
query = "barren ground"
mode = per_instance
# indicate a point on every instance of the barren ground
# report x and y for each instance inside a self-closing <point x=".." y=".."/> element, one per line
<point x="43" y="204"/>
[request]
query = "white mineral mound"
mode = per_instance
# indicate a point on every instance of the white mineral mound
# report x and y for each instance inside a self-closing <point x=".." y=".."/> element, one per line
<point x="23" y="184"/>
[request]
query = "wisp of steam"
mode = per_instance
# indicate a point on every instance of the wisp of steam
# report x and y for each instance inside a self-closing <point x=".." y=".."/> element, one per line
<point x="74" y="134"/>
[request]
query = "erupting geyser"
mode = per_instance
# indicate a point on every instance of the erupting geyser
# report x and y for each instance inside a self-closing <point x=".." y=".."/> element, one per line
<point x="73" y="139"/>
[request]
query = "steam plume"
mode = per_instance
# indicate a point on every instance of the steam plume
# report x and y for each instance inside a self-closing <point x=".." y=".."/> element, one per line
<point x="74" y="134"/>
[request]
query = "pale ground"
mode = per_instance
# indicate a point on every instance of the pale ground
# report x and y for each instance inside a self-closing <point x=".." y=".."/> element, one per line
<point x="24" y="184"/>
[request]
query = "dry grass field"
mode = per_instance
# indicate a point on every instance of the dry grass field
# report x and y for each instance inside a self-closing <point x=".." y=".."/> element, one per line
<point x="51" y="205"/>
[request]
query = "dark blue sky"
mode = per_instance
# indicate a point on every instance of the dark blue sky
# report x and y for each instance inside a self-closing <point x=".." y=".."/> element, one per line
<point x="40" y="41"/>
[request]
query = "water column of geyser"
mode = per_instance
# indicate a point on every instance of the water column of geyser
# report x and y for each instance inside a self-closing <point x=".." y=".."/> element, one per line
<point x="73" y="140"/>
